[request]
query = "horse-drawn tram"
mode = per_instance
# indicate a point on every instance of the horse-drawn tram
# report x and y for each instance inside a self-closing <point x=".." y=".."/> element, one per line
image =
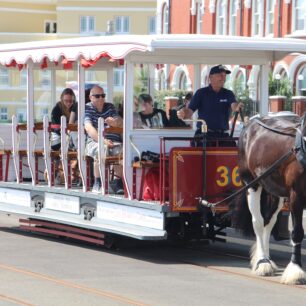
<point x="167" y="195"/>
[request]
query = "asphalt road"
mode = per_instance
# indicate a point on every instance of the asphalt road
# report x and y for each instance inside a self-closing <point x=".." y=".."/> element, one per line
<point x="37" y="270"/>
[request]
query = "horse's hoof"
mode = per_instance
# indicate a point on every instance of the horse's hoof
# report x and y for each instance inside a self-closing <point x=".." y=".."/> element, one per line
<point x="293" y="275"/>
<point x="264" y="268"/>
<point x="274" y="266"/>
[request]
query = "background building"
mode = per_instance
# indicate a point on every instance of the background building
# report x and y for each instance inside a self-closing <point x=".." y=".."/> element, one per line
<point x="263" y="18"/>
<point x="26" y="20"/>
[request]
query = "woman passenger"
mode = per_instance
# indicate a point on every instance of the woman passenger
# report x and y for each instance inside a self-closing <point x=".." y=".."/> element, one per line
<point x="64" y="107"/>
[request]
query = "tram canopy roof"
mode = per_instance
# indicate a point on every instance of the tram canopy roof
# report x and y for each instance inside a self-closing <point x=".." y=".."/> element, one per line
<point x="163" y="48"/>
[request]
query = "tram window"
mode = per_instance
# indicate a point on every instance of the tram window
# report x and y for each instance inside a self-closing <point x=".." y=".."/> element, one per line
<point x="162" y="111"/>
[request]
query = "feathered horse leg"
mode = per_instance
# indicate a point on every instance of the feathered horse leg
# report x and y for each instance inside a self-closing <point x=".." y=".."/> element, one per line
<point x="260" y="261"/>
<point x="294" y="274"/>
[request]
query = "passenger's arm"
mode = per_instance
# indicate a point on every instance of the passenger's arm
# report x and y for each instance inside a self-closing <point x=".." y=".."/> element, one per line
<point x="72" y="117"/>
<point x="91" y="131"/>
<point x="185" y="113"/>
<point x="115" y="122"/>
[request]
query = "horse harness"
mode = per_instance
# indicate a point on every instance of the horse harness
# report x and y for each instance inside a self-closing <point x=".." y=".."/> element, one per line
<point x="299" y="150"/>
<point x="300" y="146"/>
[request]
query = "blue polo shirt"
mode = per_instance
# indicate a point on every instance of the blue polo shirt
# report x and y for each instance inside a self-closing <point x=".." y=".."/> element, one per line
<point x="213" y="107"/>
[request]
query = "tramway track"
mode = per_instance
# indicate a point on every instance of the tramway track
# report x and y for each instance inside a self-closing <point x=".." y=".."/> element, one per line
<point x="230" y="270"/>
<point x="64" y="283"/>
<point x="11" y="299"/>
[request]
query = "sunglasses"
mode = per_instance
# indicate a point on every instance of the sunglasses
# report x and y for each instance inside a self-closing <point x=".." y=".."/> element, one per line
<point x="99" y="96"/>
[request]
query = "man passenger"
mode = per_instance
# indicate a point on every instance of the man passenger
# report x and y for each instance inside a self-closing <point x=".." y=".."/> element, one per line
<point x="93" y="111"/>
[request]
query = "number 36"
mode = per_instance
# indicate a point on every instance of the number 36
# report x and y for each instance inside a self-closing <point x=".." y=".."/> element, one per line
<point x="226" y="176"/>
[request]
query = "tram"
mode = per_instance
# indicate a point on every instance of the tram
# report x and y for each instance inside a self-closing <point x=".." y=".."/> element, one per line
<point x="185" y="173"/>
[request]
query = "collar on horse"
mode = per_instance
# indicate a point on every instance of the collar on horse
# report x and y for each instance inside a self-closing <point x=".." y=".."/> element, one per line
<point x="258" y="121"/>
<point x="300" y="146"/>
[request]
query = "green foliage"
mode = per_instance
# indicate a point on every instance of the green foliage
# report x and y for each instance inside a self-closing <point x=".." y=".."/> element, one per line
<point x="243" y="96"/>
<point x="282" y="87"/>
<point x="141" y="80"/>
<point x="118" y="99"/>
<point x="159" y="97"/>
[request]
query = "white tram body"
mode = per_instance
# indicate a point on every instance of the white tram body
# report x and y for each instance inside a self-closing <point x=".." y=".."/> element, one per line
<point x="78" y="207"/>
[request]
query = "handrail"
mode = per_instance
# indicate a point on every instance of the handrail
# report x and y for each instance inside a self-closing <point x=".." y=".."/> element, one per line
<point x="114" y="130"/>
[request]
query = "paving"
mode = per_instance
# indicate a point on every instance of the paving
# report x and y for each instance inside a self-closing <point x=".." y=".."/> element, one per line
<point x="40" y="270"/>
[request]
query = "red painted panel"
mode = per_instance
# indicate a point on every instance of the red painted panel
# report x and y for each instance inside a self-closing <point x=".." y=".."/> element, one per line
<point x="186" y="177"/>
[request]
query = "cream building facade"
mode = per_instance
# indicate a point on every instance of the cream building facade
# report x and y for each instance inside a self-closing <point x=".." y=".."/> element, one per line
<point x="25" y="20"/>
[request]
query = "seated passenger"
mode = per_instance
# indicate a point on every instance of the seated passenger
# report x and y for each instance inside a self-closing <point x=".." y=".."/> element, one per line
<point x="64" y="107"/>
<point x="151" y="117"/>
<point x="93" y="111"/>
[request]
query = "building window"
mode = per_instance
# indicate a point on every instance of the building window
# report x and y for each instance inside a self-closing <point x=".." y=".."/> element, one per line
<point x="298" y="15"/>
<point x="152" y="25"/>
<point x="23" y="78"/>
<point x="87" y="24"/>
<point x="183" y="81"/>
<point x="118" y="77"/>
<point x="257" y="18"/>
<point x="3" y="114"/>
<point x="165" y="19"/>
<point x="301" y="81"/>
<point x="221" y="17"/>
<point x="50" y="27"/>
<point x="240" y="82"/>
<point x="122" y="25"/>
<point x="199" y="14"/>
<point x="270" y="17"/>
<point x="43" y="112"/>
<point x="45" y="78"/>
<point x="4" y="77"/>
<point x="90" y="76"/>
<point x="21" y="115"/>
<point x="162" y="81"/>
<point x="233" y="17"/>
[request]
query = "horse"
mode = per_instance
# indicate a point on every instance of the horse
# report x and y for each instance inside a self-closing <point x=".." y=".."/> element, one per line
<point x="276" y="144"/>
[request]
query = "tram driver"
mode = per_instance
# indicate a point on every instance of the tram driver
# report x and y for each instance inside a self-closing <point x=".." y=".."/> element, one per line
<point x="214" y="104"/>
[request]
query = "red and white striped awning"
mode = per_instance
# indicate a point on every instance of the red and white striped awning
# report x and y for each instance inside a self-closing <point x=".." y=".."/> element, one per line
<point x="88" y="49"/>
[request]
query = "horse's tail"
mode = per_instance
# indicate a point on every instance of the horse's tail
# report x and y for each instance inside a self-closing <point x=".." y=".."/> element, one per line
<point x="241" y="215"/>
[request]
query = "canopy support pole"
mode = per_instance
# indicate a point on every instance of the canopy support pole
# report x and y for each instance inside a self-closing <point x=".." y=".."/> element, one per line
<point x="30" y="120"/>
<point x="128" y="126"/>
<point x="81" y="132"/>
<point x="264" y="90"/>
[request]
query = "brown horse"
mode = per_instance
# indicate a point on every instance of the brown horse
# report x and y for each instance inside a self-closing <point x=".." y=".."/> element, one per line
<point x="262" y="142"/>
